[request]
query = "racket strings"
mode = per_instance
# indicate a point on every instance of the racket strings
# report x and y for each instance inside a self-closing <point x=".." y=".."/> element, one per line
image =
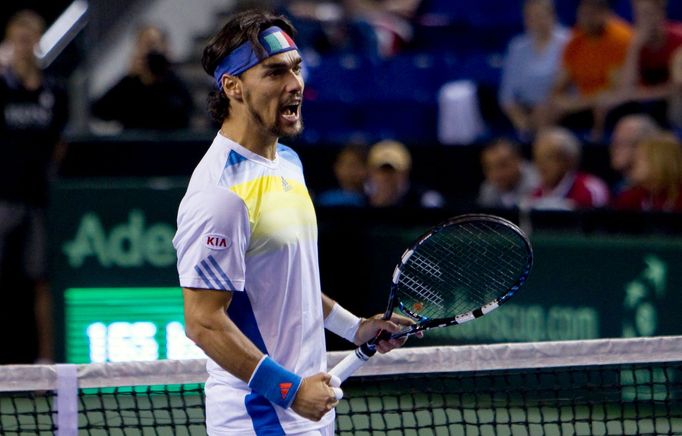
<point x="465" y="266"/>
<point x="423" y="291"/>
<point x="516" y="247"/>
<point x="484" y="256"/>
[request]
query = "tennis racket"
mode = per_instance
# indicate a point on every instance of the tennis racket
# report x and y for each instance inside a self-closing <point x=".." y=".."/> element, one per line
<point x="460" y="270"/>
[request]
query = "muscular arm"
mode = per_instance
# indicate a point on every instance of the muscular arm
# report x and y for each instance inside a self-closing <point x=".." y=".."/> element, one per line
<point x="208" y="325"/>
<point x="212" y="330"/>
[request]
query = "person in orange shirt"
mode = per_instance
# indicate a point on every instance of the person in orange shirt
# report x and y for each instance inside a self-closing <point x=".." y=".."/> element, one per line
<point x="591" y="64"/>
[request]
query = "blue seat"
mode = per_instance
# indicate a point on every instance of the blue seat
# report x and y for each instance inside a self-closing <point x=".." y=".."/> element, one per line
<point x="483" y="68"/>
<point x="344" y="78"/>
<point x="411" y="122"/>
<point x="493" y="14"/>
<point x="675" y="10"/>
<point x="441" y="11"/>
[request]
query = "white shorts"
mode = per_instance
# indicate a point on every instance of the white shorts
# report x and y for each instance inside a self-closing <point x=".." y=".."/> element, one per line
<point x="234" y="412"/>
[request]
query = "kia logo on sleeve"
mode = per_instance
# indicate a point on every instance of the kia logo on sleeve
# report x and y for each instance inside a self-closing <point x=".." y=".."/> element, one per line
<point x="216" y="241"/>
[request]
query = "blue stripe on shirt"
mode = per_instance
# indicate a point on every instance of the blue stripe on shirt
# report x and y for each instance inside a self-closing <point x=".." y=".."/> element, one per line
<point x="203" y="277"/>
<point x="261" y="411"/>
<point x="227" y="280"/>
<point x="222" y="286"/>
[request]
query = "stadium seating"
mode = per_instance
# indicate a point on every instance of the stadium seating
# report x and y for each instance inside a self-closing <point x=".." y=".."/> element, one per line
<point x="356" y="94"/>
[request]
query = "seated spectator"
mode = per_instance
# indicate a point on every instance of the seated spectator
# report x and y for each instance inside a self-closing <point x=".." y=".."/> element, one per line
<point x="508" y="178"/>
<point x="350" y="169"/>
<point x="675" y="100"/>
<point x="389" y="179"/>
<point x="326" y="28"/>
<point x="656" y="176"/>
<point x="556" y="154"/>
<point x="592" y="60"/>
<point x="530" y="66"/>
<point x="646" y="80"/>
<point x="391" y="21"/>
<point x="629" y="131"/>
<point x="150" y="96"/>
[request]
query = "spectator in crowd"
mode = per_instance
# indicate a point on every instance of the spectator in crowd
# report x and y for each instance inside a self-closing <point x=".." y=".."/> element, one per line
<point x="390" y="19"/>
<point x="656" y="176"/>
<point x="350" y="169"/>
<point x="591" y="63"/>
<point x="675" y="100"/>
<point x="150" y="96"/>
<point x="33" y="113"/>
<point x="326" y="28"/>
<point x="530" y="66"/>
<point x="646" y="83"/>
<point x="389" y="182"/>
<point x="629" y="131"/>
<point x="508" y="177"/>
<point x="556" y="153"/>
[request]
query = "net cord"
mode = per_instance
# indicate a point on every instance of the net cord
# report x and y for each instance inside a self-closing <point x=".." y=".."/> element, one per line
<point x="525" y="355"/>
<point x="401" y="361"/>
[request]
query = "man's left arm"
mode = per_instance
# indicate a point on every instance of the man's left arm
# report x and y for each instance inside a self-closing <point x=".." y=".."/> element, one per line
<point x="360" y="330"/>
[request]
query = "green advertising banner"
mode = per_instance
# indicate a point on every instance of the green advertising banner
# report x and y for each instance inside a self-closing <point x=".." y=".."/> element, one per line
<point x="113" y="269"/>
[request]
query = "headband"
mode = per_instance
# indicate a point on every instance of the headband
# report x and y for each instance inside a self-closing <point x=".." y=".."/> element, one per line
<point x="273" y="39"/>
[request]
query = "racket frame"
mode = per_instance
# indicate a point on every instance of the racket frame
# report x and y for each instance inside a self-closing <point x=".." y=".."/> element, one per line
<point x="423" y="323"/>
<point x="354" y="361"/>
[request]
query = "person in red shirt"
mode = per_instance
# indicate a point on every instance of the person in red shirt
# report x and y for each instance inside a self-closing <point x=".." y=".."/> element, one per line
<point x="646" y="78"/>
<point x="556" y="154"/>
<point x="656" y="176"/>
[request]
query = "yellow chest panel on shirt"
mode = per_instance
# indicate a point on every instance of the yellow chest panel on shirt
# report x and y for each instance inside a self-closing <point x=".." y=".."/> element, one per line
<point x="280" y="212"/>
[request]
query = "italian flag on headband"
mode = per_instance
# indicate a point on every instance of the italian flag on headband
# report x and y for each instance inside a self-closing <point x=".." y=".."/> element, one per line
<point x="278" y="41"/>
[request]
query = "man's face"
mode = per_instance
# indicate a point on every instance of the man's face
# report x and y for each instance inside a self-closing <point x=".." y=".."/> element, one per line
<point x="591" y="18"/>
<point x="538" y="18"/>
<point x="551" y="163"/>
<point x="649" y="15"/>
<point x="501" y="167"/>
<point x="350" y="170"/>
<point x="151" y="39"/>
<point x="273" y="94"/>
<point x="386" y="185"/>
<point x="23" y="39"/>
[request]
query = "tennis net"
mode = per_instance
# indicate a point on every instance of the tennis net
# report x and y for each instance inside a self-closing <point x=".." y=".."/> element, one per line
<point x="599" y="387"/>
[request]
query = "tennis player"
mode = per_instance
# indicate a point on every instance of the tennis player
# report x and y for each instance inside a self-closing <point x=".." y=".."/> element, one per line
<point x="247" y="247"/>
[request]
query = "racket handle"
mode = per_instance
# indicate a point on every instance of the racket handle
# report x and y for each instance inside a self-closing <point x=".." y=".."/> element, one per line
<point x="353" y="361"/>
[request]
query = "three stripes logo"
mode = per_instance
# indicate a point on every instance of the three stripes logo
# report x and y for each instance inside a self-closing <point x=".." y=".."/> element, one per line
<point x="284" y="389"/>
<point x="285" y="185"/>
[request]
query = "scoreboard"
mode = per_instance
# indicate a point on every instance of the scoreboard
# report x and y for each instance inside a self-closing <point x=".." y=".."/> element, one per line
<point x="125" y="324"/>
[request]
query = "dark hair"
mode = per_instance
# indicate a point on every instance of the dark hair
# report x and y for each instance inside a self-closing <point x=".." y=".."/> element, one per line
<point x="600" y="4"/>
<point x="505" y="142"/>
<point x="241" y="27"/>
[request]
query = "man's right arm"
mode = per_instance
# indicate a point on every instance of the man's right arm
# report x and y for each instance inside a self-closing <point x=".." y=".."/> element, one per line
<point x="207" y="324"/>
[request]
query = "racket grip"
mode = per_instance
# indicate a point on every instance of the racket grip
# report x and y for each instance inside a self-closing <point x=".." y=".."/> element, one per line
<point x="353" y="362"/>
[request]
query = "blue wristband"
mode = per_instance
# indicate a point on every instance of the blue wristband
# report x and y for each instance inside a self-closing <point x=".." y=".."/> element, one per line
<point x="275" y="383"/>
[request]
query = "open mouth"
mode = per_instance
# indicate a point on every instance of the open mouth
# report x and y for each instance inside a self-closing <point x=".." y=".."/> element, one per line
<point x="291" y="111"/>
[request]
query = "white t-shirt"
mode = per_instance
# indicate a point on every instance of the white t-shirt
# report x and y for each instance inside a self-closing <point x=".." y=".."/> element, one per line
<point x="247" y="225"/>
